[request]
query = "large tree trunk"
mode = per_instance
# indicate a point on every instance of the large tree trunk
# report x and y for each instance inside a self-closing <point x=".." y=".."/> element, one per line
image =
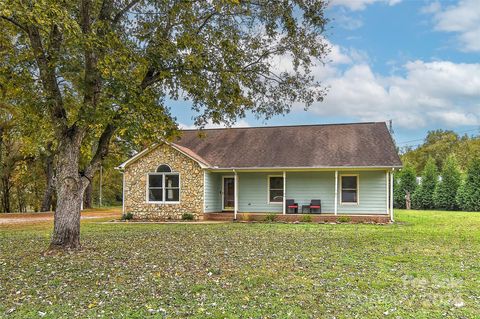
<point x="69" y="187"/>
<point x="6" y="187"/>
<point x="22" y="206"/>
<point x="50" y="187"/>
<point x="87" y="196"/>
<point x="47" y="198"/>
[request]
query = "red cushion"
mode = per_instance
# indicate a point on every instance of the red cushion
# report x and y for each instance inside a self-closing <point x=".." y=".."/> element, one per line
<point x="295" y="206"/>
<point x="314" y="206"/>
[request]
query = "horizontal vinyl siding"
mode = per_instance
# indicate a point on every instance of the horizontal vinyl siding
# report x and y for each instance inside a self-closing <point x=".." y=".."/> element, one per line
<point x="305" y="186"/>
<point x="302" y="187"/>
<point x="213" y="196"/>
<point x="372" y="194"/>
<point x="253" y="194"/>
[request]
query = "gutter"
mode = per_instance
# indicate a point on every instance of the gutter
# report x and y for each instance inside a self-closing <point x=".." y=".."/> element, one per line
<point x="281" y="168"/>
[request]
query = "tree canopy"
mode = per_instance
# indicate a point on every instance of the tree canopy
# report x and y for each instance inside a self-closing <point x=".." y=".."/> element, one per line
<point x="468" y="197"/>
<point x="439" y="144"/>
<point x="446" y="189"/>
<point x="405" y="182"/>
<point x="423" y="195"/>
<point x="102" y="70"/>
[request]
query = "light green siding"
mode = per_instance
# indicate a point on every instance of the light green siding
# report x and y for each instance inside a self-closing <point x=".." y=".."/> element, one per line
<point x="213" y="188"/>
<point x="253" y="193"/>
<point x="372" y="194"/>
<point x="302" y="187"/>
<point x="305" y="186"/>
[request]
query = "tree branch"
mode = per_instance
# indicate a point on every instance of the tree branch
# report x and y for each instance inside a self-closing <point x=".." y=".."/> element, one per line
<point x="100" y="154"/>
<point x="120" y="14"/>
<point x="49" y="80"/>
<point x="17" y="24"/>
<point x="204" y="23"/>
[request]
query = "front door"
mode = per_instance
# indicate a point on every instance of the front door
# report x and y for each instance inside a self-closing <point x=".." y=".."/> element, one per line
<point x="228" y="193"/>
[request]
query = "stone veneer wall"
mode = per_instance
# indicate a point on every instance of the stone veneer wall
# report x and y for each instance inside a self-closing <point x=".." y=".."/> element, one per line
<point x="191" y="185"/>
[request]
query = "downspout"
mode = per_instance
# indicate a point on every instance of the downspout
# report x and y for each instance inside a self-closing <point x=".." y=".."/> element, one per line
<point x="391" y="195"/>
<point x="336" y="191"/>
<point x="284" y="192"/>
<point x="387" y="186"/>
<point x="123" y="192"/>
<point x="235" y="210"/>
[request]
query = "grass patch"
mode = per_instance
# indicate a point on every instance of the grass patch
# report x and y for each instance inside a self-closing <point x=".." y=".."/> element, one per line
<point x="188" y="216"/>
<point x="343" y="219"/>
<point x="127" y="216"/>
<point x="306" y="219"/>
<point x="425" y="266"/>
<point x="270" y="217"/>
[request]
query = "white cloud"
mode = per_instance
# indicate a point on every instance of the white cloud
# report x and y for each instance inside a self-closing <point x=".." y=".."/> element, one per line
<point x="456" y="118"/>
<point x="357" y="5"/>
<point x="462" y="19"/>
<point x="338" y="55"/>
<point x="429" y="92"/>
<point x="433" y="7"/>
<point x="239" y="123"/>
<point x="348" y="22"/>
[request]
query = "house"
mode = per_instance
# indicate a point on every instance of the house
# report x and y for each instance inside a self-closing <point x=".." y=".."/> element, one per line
<point x="229" y="173"/>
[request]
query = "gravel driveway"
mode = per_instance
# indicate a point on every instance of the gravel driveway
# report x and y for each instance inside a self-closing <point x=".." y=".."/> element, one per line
<point x="25" y="218"/>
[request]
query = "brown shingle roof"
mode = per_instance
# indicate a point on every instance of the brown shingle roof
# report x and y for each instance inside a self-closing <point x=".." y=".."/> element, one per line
<point x="329" y="145"/>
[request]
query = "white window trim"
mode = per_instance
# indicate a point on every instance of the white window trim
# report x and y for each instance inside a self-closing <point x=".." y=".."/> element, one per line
<point x="148" y="201"/>
<point x="358" y="190"/>
<point x="268" y="190"/>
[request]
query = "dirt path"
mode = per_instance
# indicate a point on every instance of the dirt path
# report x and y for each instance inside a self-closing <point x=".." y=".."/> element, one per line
<point x="25" y="218"/>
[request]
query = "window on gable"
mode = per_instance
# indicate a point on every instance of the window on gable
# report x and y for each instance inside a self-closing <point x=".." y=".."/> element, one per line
<point x="275" y="189"/>
<point x="163" y="169"/>
<point x="164" y="185"/>
<point x="349" y="189"/>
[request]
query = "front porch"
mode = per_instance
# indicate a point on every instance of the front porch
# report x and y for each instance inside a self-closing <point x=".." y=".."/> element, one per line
<point x="360" y="195"/>
<point x="315" y="218"/>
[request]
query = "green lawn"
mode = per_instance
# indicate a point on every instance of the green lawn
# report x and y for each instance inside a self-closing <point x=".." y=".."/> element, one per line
<point x="425" y="266"/>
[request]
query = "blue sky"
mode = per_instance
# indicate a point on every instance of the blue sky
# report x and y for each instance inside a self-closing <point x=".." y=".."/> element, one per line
<point x="415" y="62"/>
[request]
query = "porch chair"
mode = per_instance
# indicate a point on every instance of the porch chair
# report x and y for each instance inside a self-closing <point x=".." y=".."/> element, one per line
<point x="316" y="204"/>
<point x="291" y="205"/>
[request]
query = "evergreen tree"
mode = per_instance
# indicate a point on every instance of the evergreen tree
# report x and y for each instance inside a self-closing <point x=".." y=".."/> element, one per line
<point x="423" y="195"/>
<point x="468" y="196"/>
<point x="445" y="193"/>
<point x="405" y="181"/>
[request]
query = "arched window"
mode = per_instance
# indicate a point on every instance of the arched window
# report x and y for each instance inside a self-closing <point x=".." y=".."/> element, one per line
<point x="164" y="168"/>
<point x="163" y="186"/>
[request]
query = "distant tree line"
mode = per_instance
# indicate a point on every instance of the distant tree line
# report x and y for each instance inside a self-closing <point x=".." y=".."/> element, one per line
<point x="28" y="167"/>
<point x="449" y="169"/>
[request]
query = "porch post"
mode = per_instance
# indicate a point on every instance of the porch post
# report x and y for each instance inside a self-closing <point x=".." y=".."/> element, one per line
<point x="336" y="191"/>
<point x="123" y="193"/>
<point x="391" y="195"/>
<point x="235" y="209"/>
<point x="284" y="192"/>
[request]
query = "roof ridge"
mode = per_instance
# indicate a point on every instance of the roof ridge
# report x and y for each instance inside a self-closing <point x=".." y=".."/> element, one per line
<point x="191" y="153"/>
<point x="280" y="126"/>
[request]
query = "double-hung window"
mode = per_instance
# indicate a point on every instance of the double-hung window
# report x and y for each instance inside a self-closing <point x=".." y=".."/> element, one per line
<point x="349" y="185"/>
<point x="275" y="189"/>
<point x="163" y="186"/>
